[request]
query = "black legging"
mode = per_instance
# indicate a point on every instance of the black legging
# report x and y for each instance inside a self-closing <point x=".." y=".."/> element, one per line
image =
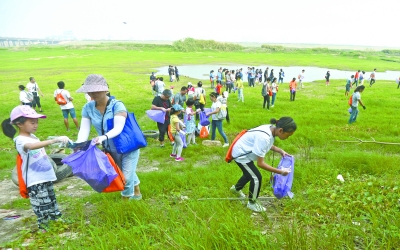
<point x="266" y="100"/>
<point x="162" y="129"/>
<point x="250" y="174"/>
<point x="229" y="86"/>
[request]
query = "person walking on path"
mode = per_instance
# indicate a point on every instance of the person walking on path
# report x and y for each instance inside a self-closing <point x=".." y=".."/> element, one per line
<point x="25" y="97"/>
<point x="281" y="76"/>
<point x="293" y="88"/>
<point x="68" y="108"/>
<point x="162" y="103"/>
<point x="216" y="121"/>
<point x="349" y="85"/>
<point x="356" y="99"/>
<point x="301" y="78"/>
<point x="265" y="90"/>
<point x="252" y="147"/>
<point x="372" y="78"/>
<point x="34" y="89"/>
<point x="327" y="78"/>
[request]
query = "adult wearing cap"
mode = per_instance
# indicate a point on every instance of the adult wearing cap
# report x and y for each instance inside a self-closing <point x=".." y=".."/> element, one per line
<point x="162" y="103"/>
<point x="96" y="113"/>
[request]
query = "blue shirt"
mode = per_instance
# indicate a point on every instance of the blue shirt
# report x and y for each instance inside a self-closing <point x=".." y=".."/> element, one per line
<point x="91" y="112"/>
<point x="219" y="76"/>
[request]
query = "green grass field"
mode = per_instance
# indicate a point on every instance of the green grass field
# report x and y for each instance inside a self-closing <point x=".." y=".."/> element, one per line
<point x="361" y="213"/>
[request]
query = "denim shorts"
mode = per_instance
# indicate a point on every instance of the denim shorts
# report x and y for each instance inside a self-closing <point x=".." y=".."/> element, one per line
<point x="69" y="111"/>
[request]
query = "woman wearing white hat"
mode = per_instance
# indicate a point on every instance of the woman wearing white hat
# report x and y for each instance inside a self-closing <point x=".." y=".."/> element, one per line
<point x="97" y="113"/>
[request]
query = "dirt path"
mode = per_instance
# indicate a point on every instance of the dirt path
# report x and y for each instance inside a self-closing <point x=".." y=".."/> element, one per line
<point x="9" y="229"/>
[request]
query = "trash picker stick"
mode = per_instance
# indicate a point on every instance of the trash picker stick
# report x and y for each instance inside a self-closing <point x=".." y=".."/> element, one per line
<point x="236" y="199"/>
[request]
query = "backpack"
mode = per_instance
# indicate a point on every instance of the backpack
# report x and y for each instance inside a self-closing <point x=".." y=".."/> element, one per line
<point x="351" y="100"/>
<point x="60" y="99"/>
<point x="222" y="112"/>
<point x="202" y="98"/>
<point x="228" y="156"/>
<point x="23" y="190"/>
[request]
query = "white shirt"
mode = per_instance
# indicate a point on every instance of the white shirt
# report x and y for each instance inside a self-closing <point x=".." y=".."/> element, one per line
<point x="23" y="97"/>
<point x="253" y="144"/>
<point x="273" y="86"/>
<point x="198" y="91"/>
<point x="40" y="168"/>
<point x="32" y="87"/>
<point x="66" y="95"/>
<point x="160" y="87"/>
<point x="356" y="96"/>
<point x="301" y="76"/>
<point x="214" y="107"/>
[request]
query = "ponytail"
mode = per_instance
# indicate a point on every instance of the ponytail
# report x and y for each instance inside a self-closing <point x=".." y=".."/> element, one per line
<point x="8" y="129"/>
<point x="286" y="123"/>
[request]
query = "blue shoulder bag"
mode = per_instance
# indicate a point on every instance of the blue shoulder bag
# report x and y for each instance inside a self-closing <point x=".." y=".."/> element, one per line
<point x="131" y="137"/>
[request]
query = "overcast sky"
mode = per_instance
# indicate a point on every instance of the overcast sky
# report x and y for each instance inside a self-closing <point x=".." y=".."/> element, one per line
<point x="339" y="22"/>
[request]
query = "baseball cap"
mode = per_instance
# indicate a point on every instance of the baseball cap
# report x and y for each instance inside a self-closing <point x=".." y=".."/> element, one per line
<point x="177" y="107"/>
<point x="24" y="111"/>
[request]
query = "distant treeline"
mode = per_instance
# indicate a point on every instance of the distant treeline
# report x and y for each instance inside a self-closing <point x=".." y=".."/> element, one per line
<point x="190" y="45"/>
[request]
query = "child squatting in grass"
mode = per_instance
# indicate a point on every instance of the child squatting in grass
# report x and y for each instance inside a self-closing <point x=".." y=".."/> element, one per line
<point x="253" y="146"/>
<point x="37" y="171"/>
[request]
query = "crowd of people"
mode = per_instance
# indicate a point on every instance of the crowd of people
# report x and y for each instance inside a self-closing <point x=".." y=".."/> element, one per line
<point x="179" y="120"/>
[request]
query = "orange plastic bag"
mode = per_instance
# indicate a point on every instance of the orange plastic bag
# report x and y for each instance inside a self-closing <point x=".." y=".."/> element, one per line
<point x="204" y="132"/>
<point x="118" y="184"/>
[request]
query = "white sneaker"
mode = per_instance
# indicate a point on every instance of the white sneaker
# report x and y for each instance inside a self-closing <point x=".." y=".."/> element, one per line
<point x="256" y="207"/>
<point x="239" y="193"/>
<point x="225" y="145"/>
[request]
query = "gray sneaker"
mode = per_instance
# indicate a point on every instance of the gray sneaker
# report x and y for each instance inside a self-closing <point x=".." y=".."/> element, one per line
<point x="256" y="207"/>
<point x="239" y="193"/>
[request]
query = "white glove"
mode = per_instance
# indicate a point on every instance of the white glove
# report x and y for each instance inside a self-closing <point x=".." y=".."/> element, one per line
<point x="62" y="139"/>
<point x="286" y="171"/>
<point x="182" y="132"/>
<point x="100" y="139"/>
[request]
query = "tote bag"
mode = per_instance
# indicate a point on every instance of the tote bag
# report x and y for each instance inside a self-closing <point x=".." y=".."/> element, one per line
<point x="131" y="138"/>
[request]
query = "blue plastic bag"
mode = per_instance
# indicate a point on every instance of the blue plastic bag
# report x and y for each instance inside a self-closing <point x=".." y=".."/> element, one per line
<point x="183" y="137"/>
<point x="156" y="115"/>
<point x="282" y="185"/>
<point x="204" y="119"/>
<point x="92" y="166"/>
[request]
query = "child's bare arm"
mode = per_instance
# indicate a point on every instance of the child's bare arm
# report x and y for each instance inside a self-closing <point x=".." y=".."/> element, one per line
<point x="41" y="144"/>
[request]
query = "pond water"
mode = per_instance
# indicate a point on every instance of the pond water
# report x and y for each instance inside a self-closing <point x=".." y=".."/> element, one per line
<point x="311" y="73"/>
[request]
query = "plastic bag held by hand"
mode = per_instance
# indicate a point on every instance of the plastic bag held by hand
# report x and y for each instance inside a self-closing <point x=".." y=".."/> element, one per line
<point x="156" y="115"/>
<point x="281" y="184"/>
<point x="92" y="166"/>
